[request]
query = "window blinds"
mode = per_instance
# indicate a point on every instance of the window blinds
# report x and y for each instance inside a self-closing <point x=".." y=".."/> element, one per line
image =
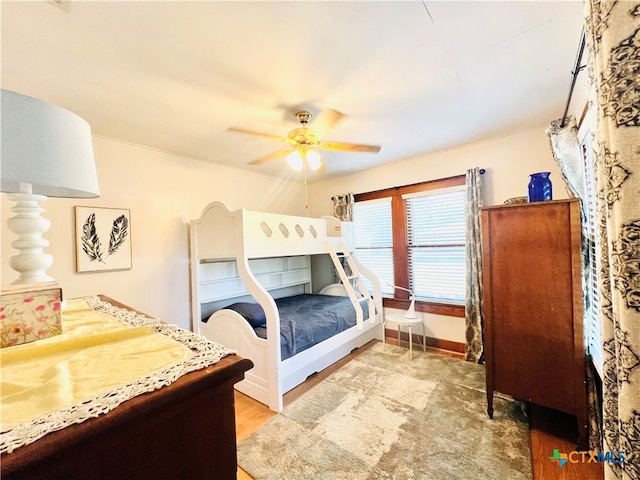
<point x="592" y="322"/>
<point x="374" y="239"/>
<point x="436" y="245"/>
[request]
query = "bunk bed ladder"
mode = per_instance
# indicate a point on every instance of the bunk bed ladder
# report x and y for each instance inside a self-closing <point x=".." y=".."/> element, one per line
<point x="353" y="281"/>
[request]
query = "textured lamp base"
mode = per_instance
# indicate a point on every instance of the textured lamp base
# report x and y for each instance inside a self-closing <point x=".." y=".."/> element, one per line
<point x="31" y="262"/>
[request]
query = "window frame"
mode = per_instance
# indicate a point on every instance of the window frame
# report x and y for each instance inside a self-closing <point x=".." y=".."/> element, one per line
<point x="400" y="250"/>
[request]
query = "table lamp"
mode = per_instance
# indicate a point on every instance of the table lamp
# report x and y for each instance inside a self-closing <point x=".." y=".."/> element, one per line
<point x="46" y="151"/>
<point x="411" y="311"/>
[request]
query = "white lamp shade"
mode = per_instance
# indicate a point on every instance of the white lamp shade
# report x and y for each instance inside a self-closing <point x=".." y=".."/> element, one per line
<point x="45" y="146"/>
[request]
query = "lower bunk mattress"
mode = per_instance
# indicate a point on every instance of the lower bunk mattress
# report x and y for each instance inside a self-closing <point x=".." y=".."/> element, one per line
<point x="305" y="319"/>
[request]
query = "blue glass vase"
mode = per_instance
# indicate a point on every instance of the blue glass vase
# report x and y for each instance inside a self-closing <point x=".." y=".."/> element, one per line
<point x="540" y="187"/>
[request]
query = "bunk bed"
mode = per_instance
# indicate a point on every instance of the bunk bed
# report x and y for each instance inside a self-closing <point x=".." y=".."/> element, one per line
<point x="249" y="268"/>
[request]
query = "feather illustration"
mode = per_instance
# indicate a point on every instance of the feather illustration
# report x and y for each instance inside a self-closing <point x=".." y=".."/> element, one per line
<point x="90" y="241"/>
<point x="118" y="233"/>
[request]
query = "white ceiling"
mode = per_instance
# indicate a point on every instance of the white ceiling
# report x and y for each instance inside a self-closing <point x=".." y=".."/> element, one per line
<point x="411" y="76"/>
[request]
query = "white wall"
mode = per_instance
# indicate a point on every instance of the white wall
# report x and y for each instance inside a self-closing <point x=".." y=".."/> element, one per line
<point x="164" y="192"/>
<point x="508" y="161"/>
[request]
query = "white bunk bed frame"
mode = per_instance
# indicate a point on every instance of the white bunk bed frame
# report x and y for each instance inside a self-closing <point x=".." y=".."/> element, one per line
<point x="236" y="255"/>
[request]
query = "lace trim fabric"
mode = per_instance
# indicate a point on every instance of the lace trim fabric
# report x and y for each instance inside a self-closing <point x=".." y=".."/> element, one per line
<point x="206" y="353"/>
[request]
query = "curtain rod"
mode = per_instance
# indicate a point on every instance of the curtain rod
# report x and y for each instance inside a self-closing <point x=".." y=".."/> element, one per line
<point x="574" y="75"/>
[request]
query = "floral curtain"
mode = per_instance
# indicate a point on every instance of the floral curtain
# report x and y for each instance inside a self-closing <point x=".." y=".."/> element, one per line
<point x="613" y="41"/>
<point x="568" y="155"/>
<point x="343" y="207"/>
<point x="343" y="211"/>
<point x="474" y="348"/>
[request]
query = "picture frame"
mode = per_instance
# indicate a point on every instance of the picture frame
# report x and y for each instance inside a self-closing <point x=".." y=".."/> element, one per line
<point x="103" y="239"/>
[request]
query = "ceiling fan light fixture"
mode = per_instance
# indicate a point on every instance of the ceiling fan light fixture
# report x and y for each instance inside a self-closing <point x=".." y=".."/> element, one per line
<point x="294" y="159"/>
<point x="314" y="160"/>
<point x="301" y="140"/>
<point x="297" y="158"/>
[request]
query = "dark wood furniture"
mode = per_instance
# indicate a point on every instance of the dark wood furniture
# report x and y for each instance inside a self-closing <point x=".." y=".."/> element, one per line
<point x="533" y="306"/>
<point x="184" y="430"/>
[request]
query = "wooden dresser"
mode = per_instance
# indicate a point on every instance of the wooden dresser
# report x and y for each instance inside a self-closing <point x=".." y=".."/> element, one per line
<point x="533" y="306"/>
<point x="182" y="430"/>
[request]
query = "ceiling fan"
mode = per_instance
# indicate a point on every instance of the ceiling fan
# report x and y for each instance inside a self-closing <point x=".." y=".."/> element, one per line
<point x="302" y="140"/>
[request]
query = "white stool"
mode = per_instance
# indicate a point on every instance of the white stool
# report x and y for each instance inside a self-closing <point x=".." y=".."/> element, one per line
<point x="401" y="321"/>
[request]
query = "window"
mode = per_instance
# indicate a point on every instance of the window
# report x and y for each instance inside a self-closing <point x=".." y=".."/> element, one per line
<point x="435" y="243"/>
<point x="373" y="239"/>
<point x="414" y="237"/>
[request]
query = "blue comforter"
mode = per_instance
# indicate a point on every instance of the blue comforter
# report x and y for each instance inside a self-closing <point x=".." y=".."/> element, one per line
<point x="308" y="319"/>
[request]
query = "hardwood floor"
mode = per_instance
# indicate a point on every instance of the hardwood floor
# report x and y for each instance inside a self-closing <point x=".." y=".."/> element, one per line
<point x="552" y="430"/>
<point x="549" y="429"/>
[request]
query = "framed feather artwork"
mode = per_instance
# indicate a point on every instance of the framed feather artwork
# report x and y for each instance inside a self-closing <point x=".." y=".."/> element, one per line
<point x="103" y="239"/>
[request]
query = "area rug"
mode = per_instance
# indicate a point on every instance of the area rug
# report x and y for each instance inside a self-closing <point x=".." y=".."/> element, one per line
<point x="383" y="416"/>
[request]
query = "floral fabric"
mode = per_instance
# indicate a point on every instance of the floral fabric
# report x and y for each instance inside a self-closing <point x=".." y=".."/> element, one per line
<point x="613" y="41"/>
<point x="343" y="207"/>
<point x="474" y="345"/>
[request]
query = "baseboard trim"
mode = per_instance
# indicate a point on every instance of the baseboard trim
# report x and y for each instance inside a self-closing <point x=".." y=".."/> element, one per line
<point x="440" y="343"/>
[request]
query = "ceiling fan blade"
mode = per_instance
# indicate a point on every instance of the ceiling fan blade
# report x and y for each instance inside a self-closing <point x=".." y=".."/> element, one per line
<point x="271" y="156"/>
<point x="349" y="147"/>
<point x="259" y="134"/>
<point x="324" y="122"/>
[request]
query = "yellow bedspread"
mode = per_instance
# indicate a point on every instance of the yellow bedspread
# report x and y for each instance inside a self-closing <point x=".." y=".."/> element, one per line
<point x="95" y="354"/>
